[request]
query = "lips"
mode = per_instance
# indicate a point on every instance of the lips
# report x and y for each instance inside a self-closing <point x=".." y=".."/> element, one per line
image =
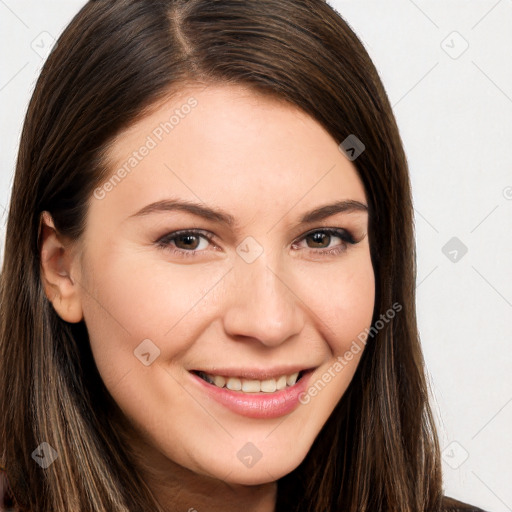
<point x="254" y="404"/>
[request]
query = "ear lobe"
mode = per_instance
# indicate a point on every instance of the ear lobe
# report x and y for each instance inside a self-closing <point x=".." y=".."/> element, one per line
<point x="57" y="258"/>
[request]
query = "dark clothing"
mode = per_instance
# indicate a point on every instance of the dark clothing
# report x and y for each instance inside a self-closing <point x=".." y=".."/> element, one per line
<point x="453" y="505"/>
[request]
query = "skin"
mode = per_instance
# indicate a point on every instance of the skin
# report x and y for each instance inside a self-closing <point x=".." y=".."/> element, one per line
<point x="266" y="163"/>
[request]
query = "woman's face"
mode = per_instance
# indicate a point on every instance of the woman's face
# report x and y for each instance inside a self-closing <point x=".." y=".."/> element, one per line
<point x="256" y="294"/>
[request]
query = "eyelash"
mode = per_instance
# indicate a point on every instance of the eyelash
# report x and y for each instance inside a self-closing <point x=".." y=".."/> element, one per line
<point x="343" y="234"/>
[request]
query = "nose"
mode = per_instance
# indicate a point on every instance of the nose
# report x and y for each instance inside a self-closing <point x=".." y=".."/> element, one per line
<point x="262" y="305"/>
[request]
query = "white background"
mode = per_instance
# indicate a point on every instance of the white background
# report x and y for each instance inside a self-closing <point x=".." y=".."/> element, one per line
<point x="454" y="109"/>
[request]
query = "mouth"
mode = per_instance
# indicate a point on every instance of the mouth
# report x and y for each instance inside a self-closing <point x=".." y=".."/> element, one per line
<point x="254" y="393"/>
<point x="249" y="385"/>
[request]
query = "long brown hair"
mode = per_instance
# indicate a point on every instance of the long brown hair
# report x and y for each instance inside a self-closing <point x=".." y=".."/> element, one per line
<point x="378" y="452"/>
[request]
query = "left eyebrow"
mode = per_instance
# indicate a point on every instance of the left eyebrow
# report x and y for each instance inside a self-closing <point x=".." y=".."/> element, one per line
<point x="217" y="215"/>
<point x="329" y="210"/>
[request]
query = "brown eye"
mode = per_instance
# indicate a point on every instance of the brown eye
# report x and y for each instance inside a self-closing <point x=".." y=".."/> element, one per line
<point x="184" y="243"/>
<point x="320" y="240"/>
<point x="187" y="241"/>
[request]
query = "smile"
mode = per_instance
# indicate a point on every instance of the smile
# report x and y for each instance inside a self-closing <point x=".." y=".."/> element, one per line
<point x="274" y="394"/>
<point x="251" y="385"/>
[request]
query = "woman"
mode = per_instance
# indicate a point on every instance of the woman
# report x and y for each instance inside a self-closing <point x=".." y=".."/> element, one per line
<point x="260" y="369"/>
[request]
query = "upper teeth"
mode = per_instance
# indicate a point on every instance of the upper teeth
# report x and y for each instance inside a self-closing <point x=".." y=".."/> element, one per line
<point x="250" y="385"/>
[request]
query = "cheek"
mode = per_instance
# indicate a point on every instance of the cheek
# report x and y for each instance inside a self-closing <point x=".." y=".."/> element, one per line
<point x="131" y="299"/>
<point x="344" y="306"/>
<point x="355" y="308"/>
<point x="343" y="301"/>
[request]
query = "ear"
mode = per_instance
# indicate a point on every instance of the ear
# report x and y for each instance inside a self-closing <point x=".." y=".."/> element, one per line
<point x="57" y="260"/>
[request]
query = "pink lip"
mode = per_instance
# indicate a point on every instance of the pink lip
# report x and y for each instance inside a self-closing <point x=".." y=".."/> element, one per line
<point x="256" y="405"/>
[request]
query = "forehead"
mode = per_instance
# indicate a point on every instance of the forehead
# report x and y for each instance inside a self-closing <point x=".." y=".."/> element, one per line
<point x="228" y="146"/>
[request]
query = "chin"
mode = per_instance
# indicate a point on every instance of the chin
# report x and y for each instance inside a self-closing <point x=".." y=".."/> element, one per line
<point x="269" y="468"/>
<point x="258" y="476"/>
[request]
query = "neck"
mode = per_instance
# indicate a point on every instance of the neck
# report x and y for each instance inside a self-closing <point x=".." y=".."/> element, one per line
<point x="187" y="491"/>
